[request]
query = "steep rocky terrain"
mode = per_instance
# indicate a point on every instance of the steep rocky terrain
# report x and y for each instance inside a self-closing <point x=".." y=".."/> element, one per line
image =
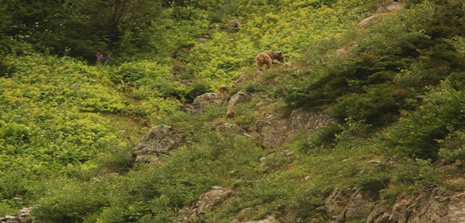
<point x="363" y="122"/>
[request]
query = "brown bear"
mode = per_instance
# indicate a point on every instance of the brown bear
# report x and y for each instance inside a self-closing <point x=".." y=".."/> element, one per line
<point x="230" y="113"/>
<point x="267" y="57"/>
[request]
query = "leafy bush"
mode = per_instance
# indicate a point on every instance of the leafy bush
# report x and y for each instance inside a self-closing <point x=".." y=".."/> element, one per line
<point x="53" y="116"/>
<point x="416" y="173"/>
<point x="152" y="193"/>
<point x="299" y="24"/>
<point x="377" y="105"/>
<point x="376" y="57"/>
<point x="389" y="63"/>
<point x="60" y="118"/>
<point x="451" y="148"/>
<point x="410" y="176"/>
<point x="323" y="138"/>
<point x="5" y="68"/>
<point x="137" y="73"/>
<point x="417" y="134"/>
<point x="373" y="180"/>
<point x="70" y="202"/>
<point x="352" y="129"/>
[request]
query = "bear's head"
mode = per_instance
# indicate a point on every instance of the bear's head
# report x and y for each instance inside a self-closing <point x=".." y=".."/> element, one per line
<point x="278" y="55"/>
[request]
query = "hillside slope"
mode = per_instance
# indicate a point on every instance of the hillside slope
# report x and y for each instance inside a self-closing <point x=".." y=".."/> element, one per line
<point x="365" y="123"/>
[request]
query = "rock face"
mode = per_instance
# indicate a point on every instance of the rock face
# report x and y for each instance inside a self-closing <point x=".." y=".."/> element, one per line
<point x="206" y="202"/>
<point x="434" y="206"/>
<point x="347" y="49"/>
<point x="200" y="102"/>
<point x="160" y="140"/>
<point x="370" y="21"/>
<point x="240" y="219"/>
<point x="269" y="219"/>
<point x="23" y="216"/>
<point x="235" y="99"/>
<point x="285" y="154"/>
<point x="277" y="131"/>
<point x="349" y="205"/>
<point x="208" y="99"/>
<point x="223" y="127"/>
<point x="389" y="7"/>
<point x="233" y="25"/>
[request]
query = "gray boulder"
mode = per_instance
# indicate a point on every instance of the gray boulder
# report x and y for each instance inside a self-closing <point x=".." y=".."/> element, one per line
<point x="439" y="206"/>
<point x="207" y="202"/>
<point x="275" y="131"/>
<point x="201" y="102"/>
<point x="161" y="140"/>
<point x="23" y="216"/>
<point x="235" y="99"/>
<point x="268" y="219"/>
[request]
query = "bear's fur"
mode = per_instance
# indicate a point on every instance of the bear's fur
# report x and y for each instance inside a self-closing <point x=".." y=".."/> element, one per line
<point x="230" y="113"/>
<point x="268" y="57"/>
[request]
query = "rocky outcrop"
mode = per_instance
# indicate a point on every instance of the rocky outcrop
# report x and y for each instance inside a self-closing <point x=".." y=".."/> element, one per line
<point x="248" y="212"/>
<point x="429" y="206"/>
<point x="224" y="127"/>
<point x="275" y="131"/>
<point x="233" y="25"/>
<point x="206" y="202"/>
<point x="436" y="206"/>
<point x="161" y="140"/>
<point x="201" y="102"/>
<point x="386" y="8"/>
<point x="235" y="99"/>
<point x="268" y="219"/>
<point x="23" y="216"/>
<point x="390" y="6"/>
<point x="268" y="160"/>
<point x="347" y="49"/>
<point x="208" y="99"/>
<point x="371" y="20"/>
<point x="349" y="205"/>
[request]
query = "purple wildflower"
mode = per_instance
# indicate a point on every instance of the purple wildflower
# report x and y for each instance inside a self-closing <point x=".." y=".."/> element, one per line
<point x="99" y="56"/>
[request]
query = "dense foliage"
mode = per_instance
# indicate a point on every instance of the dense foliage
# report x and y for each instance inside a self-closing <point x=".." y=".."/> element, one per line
<point x="389" y="72"/>
<point x="82" y="81"/>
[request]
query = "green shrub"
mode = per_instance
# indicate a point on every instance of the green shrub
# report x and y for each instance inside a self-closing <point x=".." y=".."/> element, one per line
<point x="417" y="134"/>
<point x="452" y="147"/>
<point x="132" y="72"/>
<point x="152" y="193"/>
<point x="5" y="209"/>
<point x="373" y="181"/>
<point x="378" y="104"/>
<point x="391" y="62"/>
<point x="326" y="83"/>
<point x="323" y="138"/>
<point x="227" y="9"/>
<point x="6" y="70"/>
<point x="352" y="129"/>
<point x="196" y="89"/>
<point x="416" y="173"/>
<point x="70" y="202"/>
<point x="309" y="204"/>
<point x="14" y="133"/>
<point x="54" y="115"/>
<point x="410" y="176"/>
<point x="12" y="188"/>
